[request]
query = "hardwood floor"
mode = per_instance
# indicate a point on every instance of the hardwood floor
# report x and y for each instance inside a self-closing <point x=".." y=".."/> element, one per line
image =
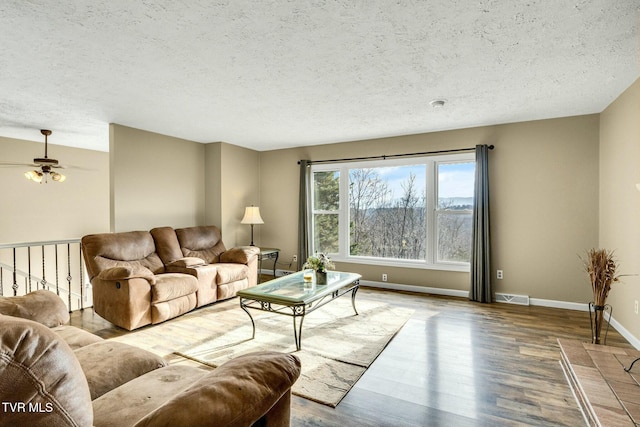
<point x="454" y="363"/>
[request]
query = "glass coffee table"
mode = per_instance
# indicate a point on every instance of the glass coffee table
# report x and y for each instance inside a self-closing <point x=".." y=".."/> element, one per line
<point x="292" y="296"/>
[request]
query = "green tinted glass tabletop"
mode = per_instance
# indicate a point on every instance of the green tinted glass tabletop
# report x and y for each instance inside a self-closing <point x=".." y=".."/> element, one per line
<point x="293" y="290"/>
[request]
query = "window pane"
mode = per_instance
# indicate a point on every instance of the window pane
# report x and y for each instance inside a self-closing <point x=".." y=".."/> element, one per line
<point x="454" y="237"/>
<point x="325" y="230"/>
<point x="387" y="212"/>
<point x="455" y="185"/>
<point x="326" y="191"/>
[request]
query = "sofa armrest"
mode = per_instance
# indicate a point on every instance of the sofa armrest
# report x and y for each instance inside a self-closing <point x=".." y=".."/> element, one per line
<point x="238" y="393"/>
<point x="187" y="262"/>
<point x="127" y="272"/>
<point x="41" y="306"/>
<point x="240" y="255"/>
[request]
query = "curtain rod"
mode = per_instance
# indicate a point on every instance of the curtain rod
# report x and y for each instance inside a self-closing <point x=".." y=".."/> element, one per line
<point x="391" y="156"/>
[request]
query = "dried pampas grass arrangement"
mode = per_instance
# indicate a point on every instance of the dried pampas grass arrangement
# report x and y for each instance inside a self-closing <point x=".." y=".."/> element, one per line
<point x="601" y="265"/>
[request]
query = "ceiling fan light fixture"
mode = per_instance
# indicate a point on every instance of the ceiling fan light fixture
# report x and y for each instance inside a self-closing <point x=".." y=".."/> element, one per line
<point x="34" y="175"/>
<point x="58" y="177"/>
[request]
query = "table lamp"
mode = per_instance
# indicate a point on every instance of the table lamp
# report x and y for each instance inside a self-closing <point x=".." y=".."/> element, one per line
<point x="252" y="216"/>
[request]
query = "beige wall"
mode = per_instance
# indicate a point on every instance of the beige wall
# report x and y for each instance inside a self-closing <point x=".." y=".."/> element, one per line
<point x="36" y="212"/>
<point x="620" y="200"/>
<point x="213" y="183"/>
<point x="156" y="180"/>
<point x="159" y="180"/>
<point x="240" y="175"/>
<point x="544" y="202"/>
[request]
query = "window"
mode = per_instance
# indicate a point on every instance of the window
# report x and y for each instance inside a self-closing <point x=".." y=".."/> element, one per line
<point x="415" y="212"/>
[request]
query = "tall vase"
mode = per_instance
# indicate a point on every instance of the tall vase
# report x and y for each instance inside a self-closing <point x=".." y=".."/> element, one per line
<point x="596" y="317"/>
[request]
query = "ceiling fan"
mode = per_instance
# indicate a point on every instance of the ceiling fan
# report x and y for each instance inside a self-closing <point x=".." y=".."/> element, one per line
<point x="45" y="165"/>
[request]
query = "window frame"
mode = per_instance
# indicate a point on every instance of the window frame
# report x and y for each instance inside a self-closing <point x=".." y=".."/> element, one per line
<point x="431" y="210"/>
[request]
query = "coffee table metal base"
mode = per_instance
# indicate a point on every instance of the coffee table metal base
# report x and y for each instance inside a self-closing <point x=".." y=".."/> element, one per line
<point x="297" y="311"/>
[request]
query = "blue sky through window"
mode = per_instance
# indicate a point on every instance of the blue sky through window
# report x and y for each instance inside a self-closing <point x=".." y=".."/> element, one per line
<point x="456" y="179"/>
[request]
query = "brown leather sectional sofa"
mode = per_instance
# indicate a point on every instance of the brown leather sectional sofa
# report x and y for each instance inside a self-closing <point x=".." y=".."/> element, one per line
<point x="53" y="374"/>
<point x="147" y="277"/>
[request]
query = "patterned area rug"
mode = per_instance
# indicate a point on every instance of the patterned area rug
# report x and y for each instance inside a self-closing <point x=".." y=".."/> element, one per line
<point x="337" y="345"/>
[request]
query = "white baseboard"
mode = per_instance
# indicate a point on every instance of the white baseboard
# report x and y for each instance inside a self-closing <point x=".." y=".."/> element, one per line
<point x="578" y="306"/>
<point x="567" y="305"/>
<point x="414" y="288"/>
<point x="635" y="342"/>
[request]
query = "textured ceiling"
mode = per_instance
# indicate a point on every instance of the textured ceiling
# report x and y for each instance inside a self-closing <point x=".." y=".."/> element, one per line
<point x="278" y="74"/>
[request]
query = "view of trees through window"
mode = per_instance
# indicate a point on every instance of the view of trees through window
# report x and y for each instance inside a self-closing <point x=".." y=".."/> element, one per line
<point x="388" y="211"/>
<point x="326" y="204"/>
<point x="454" y="211"/>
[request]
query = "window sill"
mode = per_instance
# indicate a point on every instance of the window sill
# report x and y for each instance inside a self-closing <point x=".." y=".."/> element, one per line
<point x="464" y="268"/>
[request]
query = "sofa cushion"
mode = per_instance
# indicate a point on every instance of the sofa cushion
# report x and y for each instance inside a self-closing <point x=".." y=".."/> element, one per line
<point x="203" y="242"/>
<point x="228" y="273"/>
<point x="39" y="369"/>
<point x="230" y="290"/>
<point x="41" y="306"/>
<point x="143" y="395"/>
<point x="127" y="271"/>
<point x="109" y="364"/>
<point x="167" y="245"/>
<point x="169" y="286"/>
<point x="211" y="255"/>
<point x="149" y="263"/>
<point x="238" y="392"/>
<point x="102" y="250"/>
<point x="75" y="337"/>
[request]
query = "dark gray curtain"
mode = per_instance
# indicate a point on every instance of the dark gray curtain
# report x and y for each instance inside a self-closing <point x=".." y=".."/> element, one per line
<point x="303" y="213"/>
<point x="480" y="251"/>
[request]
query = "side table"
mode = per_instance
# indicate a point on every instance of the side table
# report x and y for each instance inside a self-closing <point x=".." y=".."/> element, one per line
<point x="267" y="253"/>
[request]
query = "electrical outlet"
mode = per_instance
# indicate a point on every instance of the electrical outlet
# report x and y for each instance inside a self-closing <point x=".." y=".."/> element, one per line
<point x="635" y="307"/>
<point x="499" y="274"/>
<point x="295" y="258"/>
<point x="384" y="277"/>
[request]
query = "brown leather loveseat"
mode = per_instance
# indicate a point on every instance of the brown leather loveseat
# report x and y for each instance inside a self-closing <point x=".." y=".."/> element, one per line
<point x="147" y="277"/>
<point x="64" y="376"/>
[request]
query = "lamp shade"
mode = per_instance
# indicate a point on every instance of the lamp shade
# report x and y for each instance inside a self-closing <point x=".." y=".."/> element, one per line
<point x="252" y="215"/>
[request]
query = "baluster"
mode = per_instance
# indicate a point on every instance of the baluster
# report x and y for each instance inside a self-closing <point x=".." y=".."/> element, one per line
<point x="43" y="281"/>
<point x="57" y="281"/>
<point x="69" y="274"/>
<point x="29" y="266"/>
<point x="82" y="296"/>
<point x="15" y="275"/>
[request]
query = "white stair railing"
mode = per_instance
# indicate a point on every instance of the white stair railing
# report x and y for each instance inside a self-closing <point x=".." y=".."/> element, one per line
<point x="55" y="265"/>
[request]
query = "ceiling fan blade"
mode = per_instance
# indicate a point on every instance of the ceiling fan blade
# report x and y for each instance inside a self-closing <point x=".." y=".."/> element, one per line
<point x="11" y="164"/>
<point x="35" y="165"/>
<point x="72" y="167"/>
